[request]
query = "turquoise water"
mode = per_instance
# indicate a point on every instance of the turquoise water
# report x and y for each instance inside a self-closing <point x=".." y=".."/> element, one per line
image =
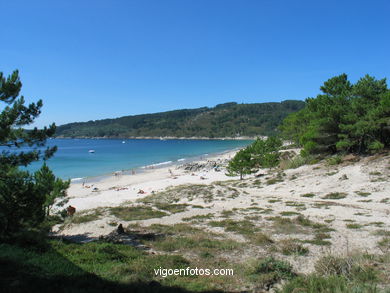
<point x="73" y="160"/>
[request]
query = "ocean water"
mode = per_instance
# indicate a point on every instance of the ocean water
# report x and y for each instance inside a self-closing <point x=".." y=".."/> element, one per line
<point x="73" y="159"/>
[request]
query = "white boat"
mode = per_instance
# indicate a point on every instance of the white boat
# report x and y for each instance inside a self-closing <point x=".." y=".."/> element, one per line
<point x="91" y="151"/>
<point x="123" y="141"/>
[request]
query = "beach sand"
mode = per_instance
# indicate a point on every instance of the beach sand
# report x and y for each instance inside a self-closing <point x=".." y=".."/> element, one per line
<point x="116" y="189"/>
<point x="352" y="199"/>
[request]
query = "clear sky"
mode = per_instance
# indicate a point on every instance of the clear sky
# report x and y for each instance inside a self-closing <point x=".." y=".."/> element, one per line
<point x="92" y="59"/>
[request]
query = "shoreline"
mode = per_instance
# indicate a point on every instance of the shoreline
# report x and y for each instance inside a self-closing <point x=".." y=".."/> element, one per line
<point x="165" y="137"/>
<point x="154" y="166"/>
<point x="351" y="199"/>
<point x="115" y="190"/>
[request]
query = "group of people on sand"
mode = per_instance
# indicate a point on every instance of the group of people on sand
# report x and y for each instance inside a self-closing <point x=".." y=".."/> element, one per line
<point x="86" y="186"/>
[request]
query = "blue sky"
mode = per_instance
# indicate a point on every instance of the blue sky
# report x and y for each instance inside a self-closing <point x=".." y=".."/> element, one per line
<point x="102" y="59"/>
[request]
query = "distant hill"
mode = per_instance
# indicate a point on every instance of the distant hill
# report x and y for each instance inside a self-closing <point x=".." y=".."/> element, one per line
<point x="223" y="120"/>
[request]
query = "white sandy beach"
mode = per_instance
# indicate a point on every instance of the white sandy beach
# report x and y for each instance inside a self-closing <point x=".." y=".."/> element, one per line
<point x="369" y="176"/>
<point x="116" y="189"/>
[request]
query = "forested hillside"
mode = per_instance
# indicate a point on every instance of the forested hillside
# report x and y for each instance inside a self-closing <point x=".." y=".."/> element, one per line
<point x="224" y="120"/>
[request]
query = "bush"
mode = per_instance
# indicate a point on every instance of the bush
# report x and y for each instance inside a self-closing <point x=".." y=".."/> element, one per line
<point x="334" y="160"/>
<point x="260" y="154"/>
<point x="299" y="161"/>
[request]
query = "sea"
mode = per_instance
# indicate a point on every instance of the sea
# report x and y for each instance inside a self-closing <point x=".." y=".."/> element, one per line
<point x="77" y="159"/>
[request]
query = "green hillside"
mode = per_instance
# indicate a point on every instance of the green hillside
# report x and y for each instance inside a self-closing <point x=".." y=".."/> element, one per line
<point x="224" y="120"/>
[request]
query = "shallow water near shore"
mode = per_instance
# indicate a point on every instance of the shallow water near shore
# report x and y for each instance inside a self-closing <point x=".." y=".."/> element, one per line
<point x="74" y="159"/>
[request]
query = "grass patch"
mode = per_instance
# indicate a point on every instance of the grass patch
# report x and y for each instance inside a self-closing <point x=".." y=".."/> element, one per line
<point x="294" y="204"/>
<point x="292" y="247"/>
<point x="274" y="200"/>
<point x="87" y="216"/>
<point x="308" y="195"/>
<point x="198" y="242"/>
<point x="189" y="191"/>
<point x="298" y="161"/>
<point x="289" y="213"/>
<point x="365" y="200"/>
<point x="260" y="239"/>
<point x="319" y="239"/>
<point x="244" y="227"/>
<point x="136" y="213"/>
<point x="180" y="229"/>
<point x="332" y="173"/>
<point x="384" y="244"/>
<point x="353" y="226"/>
<point x="285" y="225"/>
<point x="375" y="173"/>
<point x="335" y="195"/>
<point x="328" y="284"/>
<point x="227" y="213"/>
<point x="362" y="193"/>
<point x="198" y="218"/>
<point x="270" y="271"/>
<point x="273" y="181"/>
<point x="172" y="208"/>
<point x="376" y="224"/>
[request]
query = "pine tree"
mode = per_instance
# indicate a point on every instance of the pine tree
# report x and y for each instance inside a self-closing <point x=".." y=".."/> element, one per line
<point x="344" y="117"/>
<point x="241" y="164"/>
<point x="24" y="197"/>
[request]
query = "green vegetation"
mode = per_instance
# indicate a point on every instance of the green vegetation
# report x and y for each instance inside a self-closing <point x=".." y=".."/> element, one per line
<point x="363" y="193"/>
<point x="25" y="198"/>
<point x="299" y="161"/>
<point x="354" y="226"/>
<point x="92" y="267"/>
<point x="269" y="271"/>
<point x="172" y="208"/>
<point x="346" y="117"/>
<point x="225" y="120"/>
<point x="289" y="213"/>
<point x="335" y="195"/>
<point x="334" y="160"/>
<point x="136" y="213"/>
<point x="342" y="275"/>
<point x="241" y="164"/>
<point x="260" y="154"/>
<point x="198" y="242"/>
<point x="319" y="239"/>
<point x="88" y="216"/>
<point x="242" y="227"/>
<point x="292" y="247"/>
<point x="199" y="218"/>
<point x="308" y="195"/>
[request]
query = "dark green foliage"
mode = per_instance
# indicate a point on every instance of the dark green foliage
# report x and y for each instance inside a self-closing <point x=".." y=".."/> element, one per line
<point x="25" y="199"/>
<point x="270" y="271"/>
<point x="20" y="205"/>
<point x="259" y="154"/>
<point x="265" y="153"/>
<point x="346" y="117"/>
<point x="13" y="117"/>
<point x="52" y="187"/>
<point x="225" y="120"/>
<point x="241" y="164"/>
